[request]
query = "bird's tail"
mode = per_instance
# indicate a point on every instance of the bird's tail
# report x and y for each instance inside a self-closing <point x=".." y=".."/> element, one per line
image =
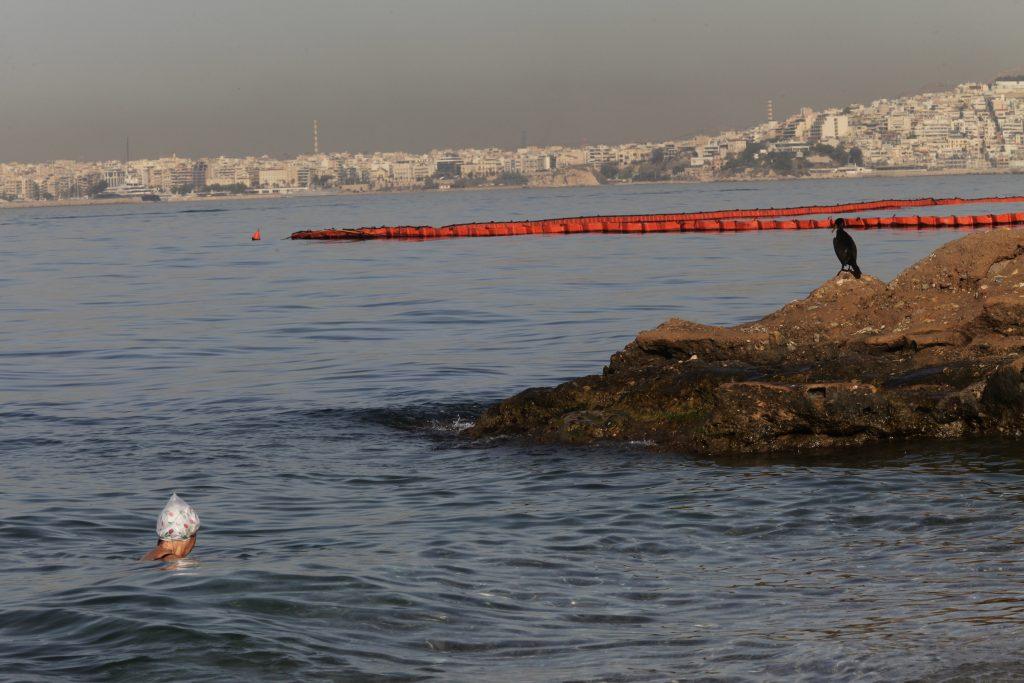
<point x="855" y="270"/>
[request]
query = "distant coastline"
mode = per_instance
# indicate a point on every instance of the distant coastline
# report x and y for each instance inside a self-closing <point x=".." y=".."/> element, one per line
<point x="337" y="192"/>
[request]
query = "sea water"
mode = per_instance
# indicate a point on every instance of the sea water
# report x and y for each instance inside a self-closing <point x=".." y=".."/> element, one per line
<point x="306" y="398"/>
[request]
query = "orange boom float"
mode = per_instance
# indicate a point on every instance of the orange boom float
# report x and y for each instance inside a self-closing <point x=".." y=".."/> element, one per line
<point x="703" y="221"/>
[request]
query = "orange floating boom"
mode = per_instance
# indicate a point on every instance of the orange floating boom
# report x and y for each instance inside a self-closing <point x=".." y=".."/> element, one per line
<point x="703" y="221"/>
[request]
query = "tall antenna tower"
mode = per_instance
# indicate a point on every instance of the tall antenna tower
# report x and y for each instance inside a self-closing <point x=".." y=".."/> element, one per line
<point x="127" y="150"/>
<point x="316" y="138"/>
<point x="771" y="111"/>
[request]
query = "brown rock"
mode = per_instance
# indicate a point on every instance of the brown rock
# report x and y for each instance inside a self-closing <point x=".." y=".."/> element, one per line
<point x="936" y="353"/>
<point x="1004" y="311"/>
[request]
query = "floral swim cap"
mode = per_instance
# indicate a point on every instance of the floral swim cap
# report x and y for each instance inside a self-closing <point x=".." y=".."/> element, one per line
<point x="178" y="521"/>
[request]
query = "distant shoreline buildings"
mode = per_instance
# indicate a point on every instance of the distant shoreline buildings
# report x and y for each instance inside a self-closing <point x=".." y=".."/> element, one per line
<point x="975" y="127"/>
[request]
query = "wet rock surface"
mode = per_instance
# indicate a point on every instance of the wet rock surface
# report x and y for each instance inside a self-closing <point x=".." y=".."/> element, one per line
<point x="936" y="353"/>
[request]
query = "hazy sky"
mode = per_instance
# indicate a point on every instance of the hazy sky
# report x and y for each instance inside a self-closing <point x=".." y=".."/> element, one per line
<point x="207" y="77"/>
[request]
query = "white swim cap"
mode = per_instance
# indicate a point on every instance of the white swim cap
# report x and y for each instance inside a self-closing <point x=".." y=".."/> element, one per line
<point x="178" y="521"/>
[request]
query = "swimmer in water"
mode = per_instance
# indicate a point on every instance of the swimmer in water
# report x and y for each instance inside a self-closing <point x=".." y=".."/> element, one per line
<point x="176" y="528"/>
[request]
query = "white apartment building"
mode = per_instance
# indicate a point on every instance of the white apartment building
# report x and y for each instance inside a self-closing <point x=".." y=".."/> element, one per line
<point x="832" y="128"/>
<point x="278" y="176"/>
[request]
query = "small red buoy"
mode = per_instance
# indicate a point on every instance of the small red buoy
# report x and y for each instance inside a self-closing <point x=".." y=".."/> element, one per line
<point x="256" y="236"/>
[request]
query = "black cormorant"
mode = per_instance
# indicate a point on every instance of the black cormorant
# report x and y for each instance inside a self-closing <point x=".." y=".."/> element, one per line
<point x="845" y="248"/>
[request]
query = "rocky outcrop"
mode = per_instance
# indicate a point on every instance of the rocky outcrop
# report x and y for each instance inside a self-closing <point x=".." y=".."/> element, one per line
<point x="569" y="177"/>
<point x="936" y="353"/>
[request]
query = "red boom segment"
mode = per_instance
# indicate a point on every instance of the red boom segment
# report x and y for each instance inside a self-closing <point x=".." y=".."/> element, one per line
<point x="704" y="221"/>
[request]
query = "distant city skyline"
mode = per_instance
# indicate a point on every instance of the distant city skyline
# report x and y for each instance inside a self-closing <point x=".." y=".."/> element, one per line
<point x="974" y="127"/>
<point x="241" y="78"/>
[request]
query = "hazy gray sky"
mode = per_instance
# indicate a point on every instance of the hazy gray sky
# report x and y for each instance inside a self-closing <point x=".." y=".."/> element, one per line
<point x="207" y="77"/>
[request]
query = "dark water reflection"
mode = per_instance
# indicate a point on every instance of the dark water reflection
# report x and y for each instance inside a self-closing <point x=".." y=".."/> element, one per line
<point x="305" y="398"/>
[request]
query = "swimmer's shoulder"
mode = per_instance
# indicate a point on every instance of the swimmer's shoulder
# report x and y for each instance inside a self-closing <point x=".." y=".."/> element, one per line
<point x="159" y="554"/>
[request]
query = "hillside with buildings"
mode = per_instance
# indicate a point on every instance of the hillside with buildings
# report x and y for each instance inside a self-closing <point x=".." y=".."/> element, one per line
<point x="975" y="127"/>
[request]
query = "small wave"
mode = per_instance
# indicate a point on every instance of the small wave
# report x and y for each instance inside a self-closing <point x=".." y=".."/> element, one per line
<point x="434" y="418"/>
<point x="452" y="426"/>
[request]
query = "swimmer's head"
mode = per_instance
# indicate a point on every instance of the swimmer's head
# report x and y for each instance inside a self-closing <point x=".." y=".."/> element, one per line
<point x="176" y="527"/>
<point x="175" y="550"/>
<point x="178" y="521"/>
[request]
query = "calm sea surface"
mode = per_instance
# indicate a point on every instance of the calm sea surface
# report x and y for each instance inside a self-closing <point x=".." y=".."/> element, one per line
<point x="305" y="398"/>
